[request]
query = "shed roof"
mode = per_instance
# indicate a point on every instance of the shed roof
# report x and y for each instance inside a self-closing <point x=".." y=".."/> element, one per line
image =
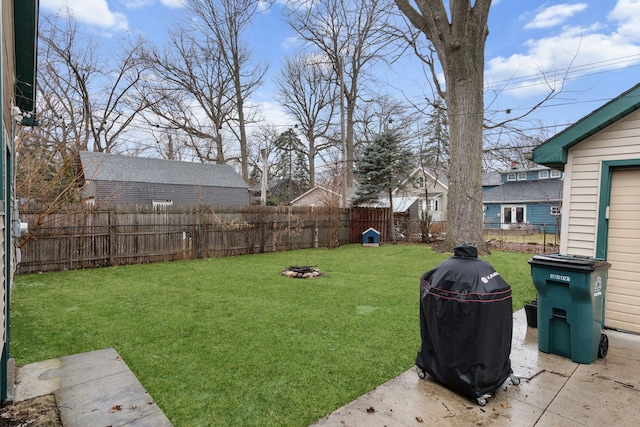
<point x="116" y="167"/>
<point x="524" y="192"/>
<point x="400" y="204"/>
<point x="554" y="151"/>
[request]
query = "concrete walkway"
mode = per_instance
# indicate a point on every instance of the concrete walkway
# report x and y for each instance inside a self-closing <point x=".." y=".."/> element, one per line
<point x="99" y="389"/>
<point x="554" y="391"/>
<point x="91" y="389"/>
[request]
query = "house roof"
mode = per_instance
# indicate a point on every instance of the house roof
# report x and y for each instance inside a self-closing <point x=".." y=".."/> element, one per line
<point x="554" y="151"/>
<point x="116" y="167"/>
<point x="524" y="191"/>
<point x="400" y="204"/>
<point x="438" y="177"/>
<point x="491" y="178"/>
<point x="317" y="188"/>
<point x="25" y="18"/>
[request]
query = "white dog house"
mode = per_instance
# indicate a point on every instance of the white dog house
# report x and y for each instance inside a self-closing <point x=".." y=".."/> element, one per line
<point x="600" y="157"/>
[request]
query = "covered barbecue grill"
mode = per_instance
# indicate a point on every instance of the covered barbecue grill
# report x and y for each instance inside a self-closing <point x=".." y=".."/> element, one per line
<point x="466" y="325"/>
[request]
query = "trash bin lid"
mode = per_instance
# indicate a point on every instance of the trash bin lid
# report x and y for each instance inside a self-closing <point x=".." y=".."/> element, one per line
<point x="570" y="262"/>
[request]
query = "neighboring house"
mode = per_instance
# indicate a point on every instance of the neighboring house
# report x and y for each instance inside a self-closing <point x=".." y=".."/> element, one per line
<point x="600" y="157"/>
<point x="527" y="199"/>
<point x="318" y="196"/>
<point x="18" y="45"/>
<point x="114" y="178"/>
<point x="432" y="190"/>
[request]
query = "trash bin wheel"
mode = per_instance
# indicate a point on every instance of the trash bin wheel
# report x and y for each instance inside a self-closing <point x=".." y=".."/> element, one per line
<point x="604" y="346"/>
<point x="422" y="374"/>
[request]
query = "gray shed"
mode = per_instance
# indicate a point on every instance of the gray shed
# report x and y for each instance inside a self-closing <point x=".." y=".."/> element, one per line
<point x="114" y="178"/>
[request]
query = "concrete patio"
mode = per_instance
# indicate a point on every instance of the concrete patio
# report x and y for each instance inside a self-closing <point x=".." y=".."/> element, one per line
<point x="554" y="391"/>
<point x="91" y="389"/>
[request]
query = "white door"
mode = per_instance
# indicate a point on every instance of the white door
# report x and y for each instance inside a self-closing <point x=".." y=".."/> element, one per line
<point x="622" y="303"/>
<point x="512" y="215"/>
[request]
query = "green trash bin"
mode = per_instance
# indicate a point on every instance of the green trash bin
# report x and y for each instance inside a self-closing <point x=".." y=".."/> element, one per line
<point x="571" y="294"/>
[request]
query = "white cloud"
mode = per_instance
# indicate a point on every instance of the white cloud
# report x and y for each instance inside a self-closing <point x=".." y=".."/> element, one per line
<point x="555" y="15"/>
<point x="173" y="3"/>
<point x="627" y="13"/>
<point x="136" y="4"/>
<point x="573" y="52"/>
<point x="90" y="12"/>
<point x="290" y="42"/>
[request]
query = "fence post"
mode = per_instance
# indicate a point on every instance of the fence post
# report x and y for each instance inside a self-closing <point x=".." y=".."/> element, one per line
<point x="112" y="237"/>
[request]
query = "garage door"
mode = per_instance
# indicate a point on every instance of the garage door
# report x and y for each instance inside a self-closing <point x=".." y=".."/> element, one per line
<point x="623" y="252"/>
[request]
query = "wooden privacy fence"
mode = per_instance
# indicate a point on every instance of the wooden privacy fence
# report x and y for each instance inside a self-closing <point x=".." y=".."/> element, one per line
<point x="364" y="218"/>
<point x="120" y="235"/>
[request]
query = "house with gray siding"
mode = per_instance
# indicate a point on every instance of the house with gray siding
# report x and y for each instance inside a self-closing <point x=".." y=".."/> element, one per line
<point x="114" y="178"/>
<point x="527" y="199"/>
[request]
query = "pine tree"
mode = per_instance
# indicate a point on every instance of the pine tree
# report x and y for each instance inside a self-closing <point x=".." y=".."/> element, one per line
<point x="381" y="167"/>
<point x="292" y="166"/>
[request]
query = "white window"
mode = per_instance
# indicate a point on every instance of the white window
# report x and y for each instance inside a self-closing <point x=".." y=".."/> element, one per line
<point x="555" y="210"/>
<point x="511" y="177"/>
<point x="556" y="173"/>
<point x="543" y="174"/>
<point x="522" y="176"/>
<point x="421" y="182"/>
<point x="162" y="204"/>
<point x="435" y="204"/>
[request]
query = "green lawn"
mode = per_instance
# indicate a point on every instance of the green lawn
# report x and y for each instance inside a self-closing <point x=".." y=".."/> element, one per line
<point x="229" y="341"/>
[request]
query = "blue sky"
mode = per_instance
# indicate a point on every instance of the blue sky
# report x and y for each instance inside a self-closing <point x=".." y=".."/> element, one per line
<point x="591" y="48"/>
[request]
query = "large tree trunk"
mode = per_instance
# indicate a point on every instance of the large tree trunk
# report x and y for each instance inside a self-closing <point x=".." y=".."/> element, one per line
<point x="460" y="47"/>
<point x="464" y="205"/>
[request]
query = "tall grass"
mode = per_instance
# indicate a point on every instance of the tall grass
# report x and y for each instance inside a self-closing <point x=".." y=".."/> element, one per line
<point x="230" y="341"/>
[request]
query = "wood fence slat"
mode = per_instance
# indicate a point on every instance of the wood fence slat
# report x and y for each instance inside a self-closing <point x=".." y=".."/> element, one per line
<point x="126" y="234"/>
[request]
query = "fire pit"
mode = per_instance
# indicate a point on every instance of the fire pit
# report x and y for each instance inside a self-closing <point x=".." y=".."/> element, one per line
<point x="301" y="272"/>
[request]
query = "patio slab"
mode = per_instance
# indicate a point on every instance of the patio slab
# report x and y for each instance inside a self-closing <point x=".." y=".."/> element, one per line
<point x="554" y="391"/>
<point x="91" y="389"/>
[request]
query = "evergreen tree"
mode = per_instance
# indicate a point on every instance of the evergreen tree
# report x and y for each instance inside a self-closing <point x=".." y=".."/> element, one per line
<point x="435" y="153"/>
<point x="381" y="167"/>
<point x="292" y="166"/>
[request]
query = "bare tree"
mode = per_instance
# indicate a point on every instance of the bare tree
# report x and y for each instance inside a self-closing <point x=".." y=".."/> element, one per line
<point x="84" y="103"/>
<point x="378" y="114"/>
<point x="86" y="100"/>
<point x="458" y="37"/>
<point x="263" y="154"/>
<point x="306" y="91"/>
<point x="192" y="93"/>
<point x="352" y="35"/>
<point x="225" y="22"/>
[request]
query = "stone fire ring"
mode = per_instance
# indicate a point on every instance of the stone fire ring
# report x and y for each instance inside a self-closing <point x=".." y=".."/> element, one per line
<point x="301" y="272"/>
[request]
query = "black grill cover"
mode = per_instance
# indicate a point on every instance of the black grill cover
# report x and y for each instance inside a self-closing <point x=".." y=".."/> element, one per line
<point x="466" y="324"/>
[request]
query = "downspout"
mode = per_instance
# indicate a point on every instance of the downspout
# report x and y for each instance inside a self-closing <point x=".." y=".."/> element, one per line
<point x="5" y="349"/>
<point x="5" y="394"/>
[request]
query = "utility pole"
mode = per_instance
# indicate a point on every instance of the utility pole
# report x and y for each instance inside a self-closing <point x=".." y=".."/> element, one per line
<point x="265" y="172"/>
<point x="343" y="139"/>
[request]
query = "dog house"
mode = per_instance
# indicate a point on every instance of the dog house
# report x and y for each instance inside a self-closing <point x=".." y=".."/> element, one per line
<point x="371" y="237"/>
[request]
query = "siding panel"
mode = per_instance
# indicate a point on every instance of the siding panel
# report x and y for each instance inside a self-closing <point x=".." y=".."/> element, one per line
<point x="623" y="286"/>
<point x="582" y="175"/>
